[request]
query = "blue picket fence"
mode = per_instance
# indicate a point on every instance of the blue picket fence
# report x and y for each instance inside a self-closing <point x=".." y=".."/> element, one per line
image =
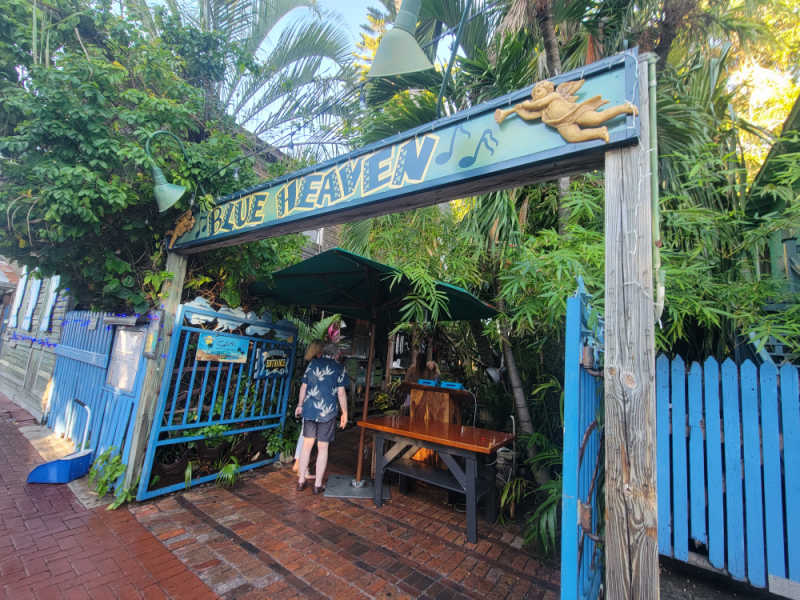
<point x="728" y="453"/>
<point x="581" y="555"/>
<point x="81" y="371"/>
<point x="226" y="378"/>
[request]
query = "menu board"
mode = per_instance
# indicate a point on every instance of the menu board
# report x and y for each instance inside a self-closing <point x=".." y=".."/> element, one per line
<point x="125" y="355"/>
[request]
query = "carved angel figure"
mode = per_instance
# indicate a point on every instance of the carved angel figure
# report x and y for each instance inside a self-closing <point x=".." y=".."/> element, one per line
<point x="558" y="108"/>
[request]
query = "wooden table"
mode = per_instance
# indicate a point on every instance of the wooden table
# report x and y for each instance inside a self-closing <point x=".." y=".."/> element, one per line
<point x="452" y="442"/>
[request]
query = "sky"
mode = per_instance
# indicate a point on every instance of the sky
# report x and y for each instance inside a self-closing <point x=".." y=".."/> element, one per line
<point x="353" y="11"/>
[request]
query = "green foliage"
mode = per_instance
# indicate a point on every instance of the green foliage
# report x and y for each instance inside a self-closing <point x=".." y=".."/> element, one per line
<point x="228" y="475"/>
<point x="106" y="470"/>
<point x="187" y="475"/>
<point x="318" y="330"/>
<point x="214" y="434"/>
<point x="77" y="189"/>
<point x="542" y="525"/>
<point x="123" y="495"/>
<point x="279" y="442"/>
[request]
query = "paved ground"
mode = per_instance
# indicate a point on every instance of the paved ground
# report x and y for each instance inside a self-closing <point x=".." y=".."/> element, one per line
<point x="261" y="539"/>
<point x="53" y="547"/>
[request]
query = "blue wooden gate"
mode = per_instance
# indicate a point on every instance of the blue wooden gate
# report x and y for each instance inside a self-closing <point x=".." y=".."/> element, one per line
<point x="80" y="372"/>
<point x="226" y="378"/>
<point x="581" y="554"/>
<point x="729" y="468"/>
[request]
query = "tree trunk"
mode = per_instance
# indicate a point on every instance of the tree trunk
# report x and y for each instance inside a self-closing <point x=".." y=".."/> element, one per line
<point x="389" y="360"/>
<point x="675" y="12"/>
<point x="563" y="211"/>
<point x="524" y="422"/>
<point x="544" y="14"/>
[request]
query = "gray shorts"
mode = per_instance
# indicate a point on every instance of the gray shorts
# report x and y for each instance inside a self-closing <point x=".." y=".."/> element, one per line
<point x="322" y="432"/>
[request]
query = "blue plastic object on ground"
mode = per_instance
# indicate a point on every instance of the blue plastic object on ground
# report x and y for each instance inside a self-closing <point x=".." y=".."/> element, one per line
<point x="72" y="466"/>
<point x="63" y="470"/>
<point x="429" y="382"/>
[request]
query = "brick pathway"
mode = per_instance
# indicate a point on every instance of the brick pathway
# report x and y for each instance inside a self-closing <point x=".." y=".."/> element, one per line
<point x="261" y="539"/>
<point x="265" y="540"/>
<point x="51" y="547"/>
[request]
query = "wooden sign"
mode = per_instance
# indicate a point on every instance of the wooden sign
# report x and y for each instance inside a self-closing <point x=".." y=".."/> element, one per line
<point x="553" y="128"/>
<point x="222" y="348"/>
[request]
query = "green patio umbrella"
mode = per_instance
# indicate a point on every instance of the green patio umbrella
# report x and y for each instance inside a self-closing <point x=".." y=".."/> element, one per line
<point x="355" y="286"/>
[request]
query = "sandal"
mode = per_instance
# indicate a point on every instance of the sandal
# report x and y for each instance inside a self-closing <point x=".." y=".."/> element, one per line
<point x="301" y="486"/>
<point x="319" y="490"/>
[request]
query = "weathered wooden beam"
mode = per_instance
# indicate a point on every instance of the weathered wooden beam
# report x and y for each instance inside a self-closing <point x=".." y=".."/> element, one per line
<point x="631" y="503"/>
<point x="176" y="264"/>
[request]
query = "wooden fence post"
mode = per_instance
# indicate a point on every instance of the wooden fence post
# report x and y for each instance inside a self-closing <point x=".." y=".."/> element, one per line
<point x="176" y="264"/>
<point x="631" y="503"/>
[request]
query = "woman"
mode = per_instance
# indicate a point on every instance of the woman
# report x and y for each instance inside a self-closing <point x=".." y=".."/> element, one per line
<point x="322" y="396"/>
<point x="313" y="351"/>
<point x="422" y="370"/>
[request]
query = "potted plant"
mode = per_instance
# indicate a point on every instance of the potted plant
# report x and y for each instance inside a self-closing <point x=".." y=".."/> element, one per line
<point x="214" y="444"/>
<point x="282" y="446"/>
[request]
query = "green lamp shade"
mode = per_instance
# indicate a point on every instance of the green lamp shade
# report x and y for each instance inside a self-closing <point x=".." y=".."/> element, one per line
<point x="399" y="52"/>
<point x="166" y="194"/>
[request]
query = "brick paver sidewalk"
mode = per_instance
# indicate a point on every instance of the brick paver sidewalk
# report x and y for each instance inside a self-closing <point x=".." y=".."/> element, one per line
<point x="51" y="547"/>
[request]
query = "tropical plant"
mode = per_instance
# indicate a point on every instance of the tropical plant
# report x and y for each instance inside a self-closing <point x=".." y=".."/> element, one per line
<point x="106" y="469"/>
<point x="274" y="66"/>
<point x="123" y="495"/>
<point x="228" y="474"/>
<point x="318" y="330"/>
<point x="76" y="189"/>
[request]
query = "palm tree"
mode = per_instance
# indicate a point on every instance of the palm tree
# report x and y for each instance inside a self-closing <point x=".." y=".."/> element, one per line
<point x="278" y="69"/>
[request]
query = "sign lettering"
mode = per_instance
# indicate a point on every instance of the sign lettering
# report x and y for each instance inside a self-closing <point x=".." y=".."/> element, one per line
<point x="537" y="133"/>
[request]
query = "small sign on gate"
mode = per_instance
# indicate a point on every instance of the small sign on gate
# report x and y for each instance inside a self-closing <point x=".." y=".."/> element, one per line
<point x="219" y="348"/>
<point x="271" y="363"/>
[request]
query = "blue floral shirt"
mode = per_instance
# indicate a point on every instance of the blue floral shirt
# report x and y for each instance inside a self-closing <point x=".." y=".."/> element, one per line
<point x="323" y="378"/>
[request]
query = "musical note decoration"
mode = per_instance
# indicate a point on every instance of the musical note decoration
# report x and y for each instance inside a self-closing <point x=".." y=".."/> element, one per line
<point x="488" y="141"/>
<point x="558" y="108"/>
<point x="445" y="156"/>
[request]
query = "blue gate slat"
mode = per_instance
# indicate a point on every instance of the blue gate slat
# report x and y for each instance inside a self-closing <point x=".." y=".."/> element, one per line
<point x="733" y="470"/>
<point x="680" y="492"/>
<point x="236" y="395"/>
<point x="697" y="459"/>
<point x="569" y="497"/>
<point x="187" y="406"/>
<point x="214" y="406"/>
<point x="790" y="413"/>
<point x="716" y="510"/>
<point x="228" y="381"/>
<point x="201" y="399"/>
<point x="754" y="511"/>
<point x="773" y="500"/>
<point x="179" y="376"/>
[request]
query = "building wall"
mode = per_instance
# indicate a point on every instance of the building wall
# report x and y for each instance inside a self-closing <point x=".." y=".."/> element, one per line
<point x="27" y="357"/>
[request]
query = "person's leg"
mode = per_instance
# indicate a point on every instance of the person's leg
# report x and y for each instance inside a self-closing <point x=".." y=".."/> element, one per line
<point x="322" y="463"/>
<point x="305" y="454"/>
<point x="297" y="450"/>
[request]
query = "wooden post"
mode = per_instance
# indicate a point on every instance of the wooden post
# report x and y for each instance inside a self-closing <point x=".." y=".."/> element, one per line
<point x="631" y="502"/>
<point x="176" y="264"/>
<point x="387" y="376"/>
<point x="367" y="382"/>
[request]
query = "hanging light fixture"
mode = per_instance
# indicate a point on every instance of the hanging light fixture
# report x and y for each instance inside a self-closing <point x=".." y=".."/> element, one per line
<point x="399" y="52"/>
<point x="166" y="193"/>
